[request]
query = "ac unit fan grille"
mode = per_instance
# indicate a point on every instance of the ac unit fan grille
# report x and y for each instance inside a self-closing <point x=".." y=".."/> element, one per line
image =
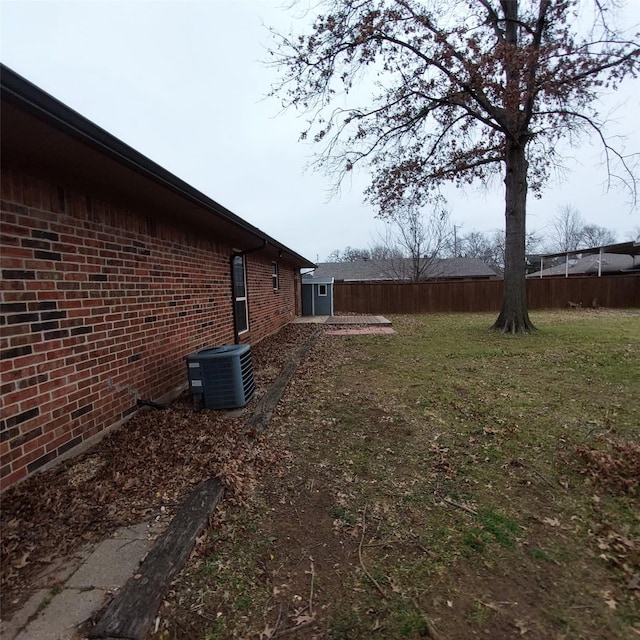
<point x="222" y="376"/>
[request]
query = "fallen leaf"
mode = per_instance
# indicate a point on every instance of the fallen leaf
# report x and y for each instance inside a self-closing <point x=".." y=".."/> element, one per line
<point x="394" y="587"/>
<point x="21" y="563"/>
<point x="267" y="632"/>
<point x="552" y="522"/>
<point x="634" y="583"/>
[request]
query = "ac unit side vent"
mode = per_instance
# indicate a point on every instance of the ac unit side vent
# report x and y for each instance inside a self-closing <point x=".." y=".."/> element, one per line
<point x="222" y="376"/>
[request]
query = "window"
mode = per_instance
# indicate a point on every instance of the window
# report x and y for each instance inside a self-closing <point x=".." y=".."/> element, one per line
<point x="240" y="292"/>
<point x="322" y="289"/>
<point x="274" y="276"/>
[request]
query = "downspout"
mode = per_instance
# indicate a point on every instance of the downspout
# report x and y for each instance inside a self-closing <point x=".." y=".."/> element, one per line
<point x="234" y="255"/>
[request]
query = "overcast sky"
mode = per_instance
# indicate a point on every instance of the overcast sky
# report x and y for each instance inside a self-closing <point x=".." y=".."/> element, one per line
<point x="184" y="82"/>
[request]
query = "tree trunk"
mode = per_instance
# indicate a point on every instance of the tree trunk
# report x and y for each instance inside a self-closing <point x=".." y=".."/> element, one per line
<point x="514" y="317"/>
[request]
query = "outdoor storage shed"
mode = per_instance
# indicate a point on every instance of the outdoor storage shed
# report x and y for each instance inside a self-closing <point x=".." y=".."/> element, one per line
<point x="317" y="296"/>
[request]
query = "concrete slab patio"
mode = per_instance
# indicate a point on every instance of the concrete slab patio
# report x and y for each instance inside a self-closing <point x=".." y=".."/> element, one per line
<point x="343" y="320"/>
<point x="310" y="319"/>
<point x="72" y="593"/>
<point x="358" y="320"/>
<point x="361" y="331"/>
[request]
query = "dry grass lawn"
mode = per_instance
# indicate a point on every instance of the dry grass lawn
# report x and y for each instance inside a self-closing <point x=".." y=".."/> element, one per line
<point x="443" y="482"/>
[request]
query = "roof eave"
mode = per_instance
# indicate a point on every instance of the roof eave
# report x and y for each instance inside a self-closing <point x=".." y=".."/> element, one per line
<point x="28" y="98"/>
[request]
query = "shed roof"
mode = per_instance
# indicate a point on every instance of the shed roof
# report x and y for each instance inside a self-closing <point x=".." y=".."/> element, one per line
<point x="41" y="135"/>
<point x="309" y="278"/>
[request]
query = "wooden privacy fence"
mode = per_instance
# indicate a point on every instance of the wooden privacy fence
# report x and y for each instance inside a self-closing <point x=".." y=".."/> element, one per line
<point x="483" y="295"/>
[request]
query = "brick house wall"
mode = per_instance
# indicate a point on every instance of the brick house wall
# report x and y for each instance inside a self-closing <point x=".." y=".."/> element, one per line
<point x="269" y="309"/>
<point x="100" y="303"/>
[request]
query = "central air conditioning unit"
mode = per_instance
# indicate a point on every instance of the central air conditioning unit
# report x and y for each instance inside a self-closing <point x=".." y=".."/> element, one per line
<point x="222" y="376"/>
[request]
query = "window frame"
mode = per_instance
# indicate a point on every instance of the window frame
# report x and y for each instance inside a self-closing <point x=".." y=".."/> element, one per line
<point x="275" y="276"/>
<point x="320" y="289"/>
<point x="240" y="298"/>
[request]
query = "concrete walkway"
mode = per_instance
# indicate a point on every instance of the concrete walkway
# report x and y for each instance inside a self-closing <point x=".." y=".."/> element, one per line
<point x="370" y="330"/>
<point x="309" y="319"/>
<point x="77" y="587"/>
<point x="364" y="320"/>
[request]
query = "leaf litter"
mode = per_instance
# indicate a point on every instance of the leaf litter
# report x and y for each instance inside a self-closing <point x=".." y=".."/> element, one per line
<point x="136" y="472"/>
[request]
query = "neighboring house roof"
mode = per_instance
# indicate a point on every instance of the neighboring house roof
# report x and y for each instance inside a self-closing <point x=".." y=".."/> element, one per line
<point x="590" y="264"/>
<point x="632" y="248"/>
<point x="43" y="136"/>
<point x="401" y="269"/>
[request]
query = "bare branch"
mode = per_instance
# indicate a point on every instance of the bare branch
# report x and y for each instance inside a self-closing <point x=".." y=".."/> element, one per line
<point x="462" y="94"/>
<point x="630" y="181"/>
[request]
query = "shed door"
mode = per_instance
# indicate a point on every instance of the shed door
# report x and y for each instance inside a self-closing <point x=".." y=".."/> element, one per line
<point x="322" y="299"/>
<point x="307" y="299"/>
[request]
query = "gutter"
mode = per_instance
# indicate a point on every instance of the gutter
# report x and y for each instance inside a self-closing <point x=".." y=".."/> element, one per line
<point x="27" y="96"/>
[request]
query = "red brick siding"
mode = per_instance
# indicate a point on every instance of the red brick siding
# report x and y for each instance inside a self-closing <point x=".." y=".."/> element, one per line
<point x="269" y="309"/>
<point x="98" y="303"/>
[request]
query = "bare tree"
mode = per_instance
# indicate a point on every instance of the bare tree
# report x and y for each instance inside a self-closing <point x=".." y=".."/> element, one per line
<point x="489" y="249"/>
<point x="474" y="245"/>
<point x="634" y="234"/>
<point x="413" y="240"/>
<point x="382" y="250"/>
<point x="596" y="236"/>
<point x="569" y="232"/>
<point x="566" y="229"/>
<point x="348" y="254"/>
<point x="335" y="256"/>
<point x="533" y="244"/>
<point x="461" y="91"/>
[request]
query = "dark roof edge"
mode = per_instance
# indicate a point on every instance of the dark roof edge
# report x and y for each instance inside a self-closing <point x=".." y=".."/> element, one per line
<point x="20" y="91"/>
<point x="618" y="247"/>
